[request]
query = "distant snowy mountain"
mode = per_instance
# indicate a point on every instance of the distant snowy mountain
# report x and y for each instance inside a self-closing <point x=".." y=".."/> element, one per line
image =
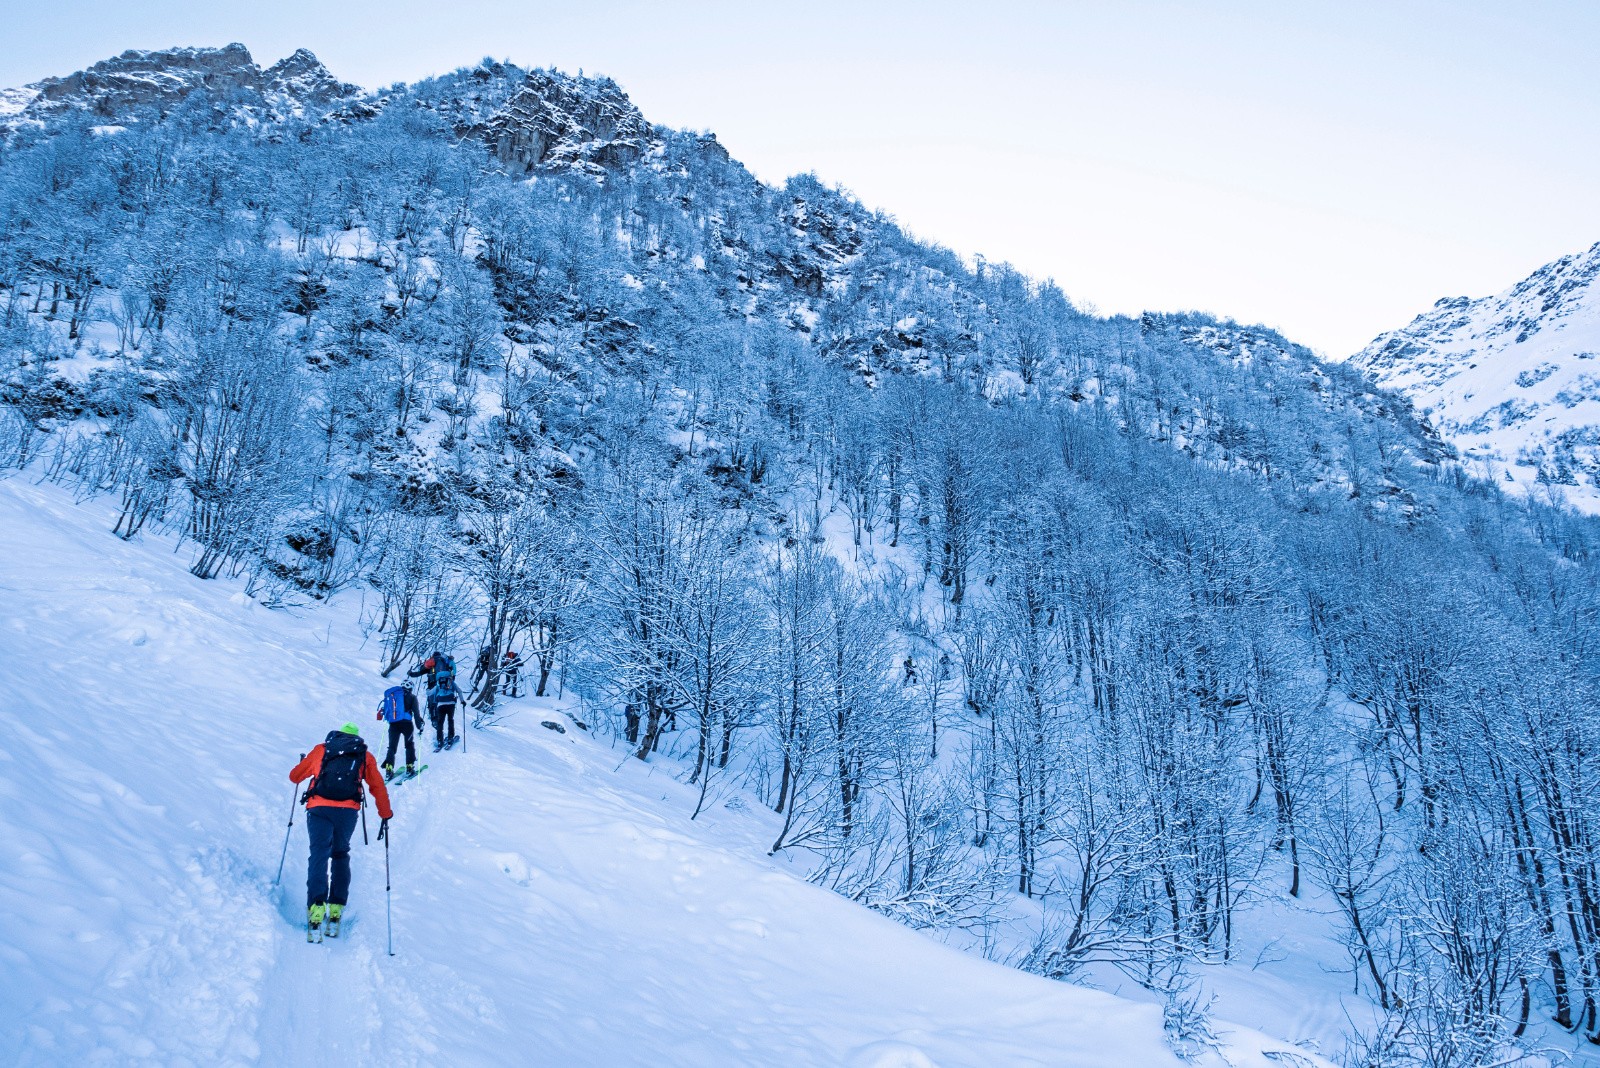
<point x="1512" y="379"/>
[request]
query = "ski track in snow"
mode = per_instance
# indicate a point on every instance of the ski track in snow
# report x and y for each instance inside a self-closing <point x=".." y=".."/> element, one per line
<point x="550" y="906"/>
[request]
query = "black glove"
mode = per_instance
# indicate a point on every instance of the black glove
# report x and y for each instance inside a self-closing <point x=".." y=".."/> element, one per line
<point x="383" y="829"/>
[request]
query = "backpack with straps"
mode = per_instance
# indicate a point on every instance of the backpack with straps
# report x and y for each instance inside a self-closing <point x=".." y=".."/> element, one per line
<point x="444" y="677"/>
<point x="344" y="757"/>
<point x="394" y="705"/>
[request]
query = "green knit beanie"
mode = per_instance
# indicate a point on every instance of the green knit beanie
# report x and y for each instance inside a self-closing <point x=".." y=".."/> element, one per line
<point x="350" y="728"/>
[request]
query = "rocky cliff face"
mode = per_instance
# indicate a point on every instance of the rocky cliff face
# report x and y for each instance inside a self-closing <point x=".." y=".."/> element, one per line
<point x="530" y="120"/>
<point x="558" y="120"/>
<point x="114" y="87"/>
<point x="301" y="79"/>
<point x="1514" y="378"/>
<point x="120" y="89"/>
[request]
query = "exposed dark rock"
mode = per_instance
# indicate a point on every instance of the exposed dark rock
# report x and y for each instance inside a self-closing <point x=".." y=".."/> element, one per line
<point x="302" y="78"/>
<point x="118" y="90"/>
<point x="559" y="120"/>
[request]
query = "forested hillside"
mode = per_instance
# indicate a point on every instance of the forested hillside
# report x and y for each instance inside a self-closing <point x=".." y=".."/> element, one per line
<point x="1105" y="630"/>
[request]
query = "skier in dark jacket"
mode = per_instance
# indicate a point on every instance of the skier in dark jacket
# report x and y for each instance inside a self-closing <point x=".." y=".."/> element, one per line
<point x="337" y="769"/>
<point x="510" y="669"/>
<point x="399" y="709"/>
<point x="442" y="696"/>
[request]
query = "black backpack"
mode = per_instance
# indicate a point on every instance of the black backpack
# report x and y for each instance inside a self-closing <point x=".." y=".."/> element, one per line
<point x="344" y="757"/>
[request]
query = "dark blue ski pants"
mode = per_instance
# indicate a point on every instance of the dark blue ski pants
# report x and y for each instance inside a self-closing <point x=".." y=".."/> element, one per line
<point x="330" y="829"/>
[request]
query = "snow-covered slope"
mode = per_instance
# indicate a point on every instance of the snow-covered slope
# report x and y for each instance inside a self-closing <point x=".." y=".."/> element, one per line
<point x="553" y="903"/>
<point x="1513" y="379"/>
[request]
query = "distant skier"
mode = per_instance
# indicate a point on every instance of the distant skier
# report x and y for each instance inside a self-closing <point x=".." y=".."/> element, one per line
<point x="399" y="710"/>
<point x="442" y="696"/>
<point x="911" y="672"/>
<point x="510" y="668"/>
<point x="337" y="769"/>
<point x="482" y="671"/>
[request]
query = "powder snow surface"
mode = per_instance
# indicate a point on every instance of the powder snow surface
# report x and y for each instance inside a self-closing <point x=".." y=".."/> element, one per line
<point x="553" y="903"/>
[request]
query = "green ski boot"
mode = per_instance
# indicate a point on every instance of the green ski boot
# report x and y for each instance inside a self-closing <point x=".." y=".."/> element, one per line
<point x="314" y="916"/>
<point x="335" y="915"/>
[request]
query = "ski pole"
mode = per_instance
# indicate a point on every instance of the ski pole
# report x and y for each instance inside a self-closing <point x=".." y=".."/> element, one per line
<point x="388" y="896"/>
<point x="276" y="879"/>
<point x="364" y="821"/>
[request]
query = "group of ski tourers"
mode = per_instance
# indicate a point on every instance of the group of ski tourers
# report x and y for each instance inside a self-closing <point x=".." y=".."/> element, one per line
<point x="399" y="710"/>
<point x="341" y="771"/>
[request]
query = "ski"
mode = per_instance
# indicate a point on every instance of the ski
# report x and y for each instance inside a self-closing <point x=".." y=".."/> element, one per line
<point x="313" y="932"/>
<point x="398" y="779"/>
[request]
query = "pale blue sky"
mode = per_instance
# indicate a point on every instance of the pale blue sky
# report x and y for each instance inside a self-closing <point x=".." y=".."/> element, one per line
<point x="1327" y="168"/>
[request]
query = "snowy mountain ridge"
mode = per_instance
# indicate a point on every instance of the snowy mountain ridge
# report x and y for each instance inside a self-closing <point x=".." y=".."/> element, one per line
<point x="539" y="118"/>
<point x="807" y="256"/>
<point x="116" y="89"/>
<point x="1513" y="379"/>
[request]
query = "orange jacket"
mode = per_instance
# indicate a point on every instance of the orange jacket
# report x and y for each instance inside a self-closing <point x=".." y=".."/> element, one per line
<point x="312" y="764"/>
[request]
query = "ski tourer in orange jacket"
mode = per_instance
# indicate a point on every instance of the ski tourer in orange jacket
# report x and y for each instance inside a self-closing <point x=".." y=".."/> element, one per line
<point x="312" y="764"/>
